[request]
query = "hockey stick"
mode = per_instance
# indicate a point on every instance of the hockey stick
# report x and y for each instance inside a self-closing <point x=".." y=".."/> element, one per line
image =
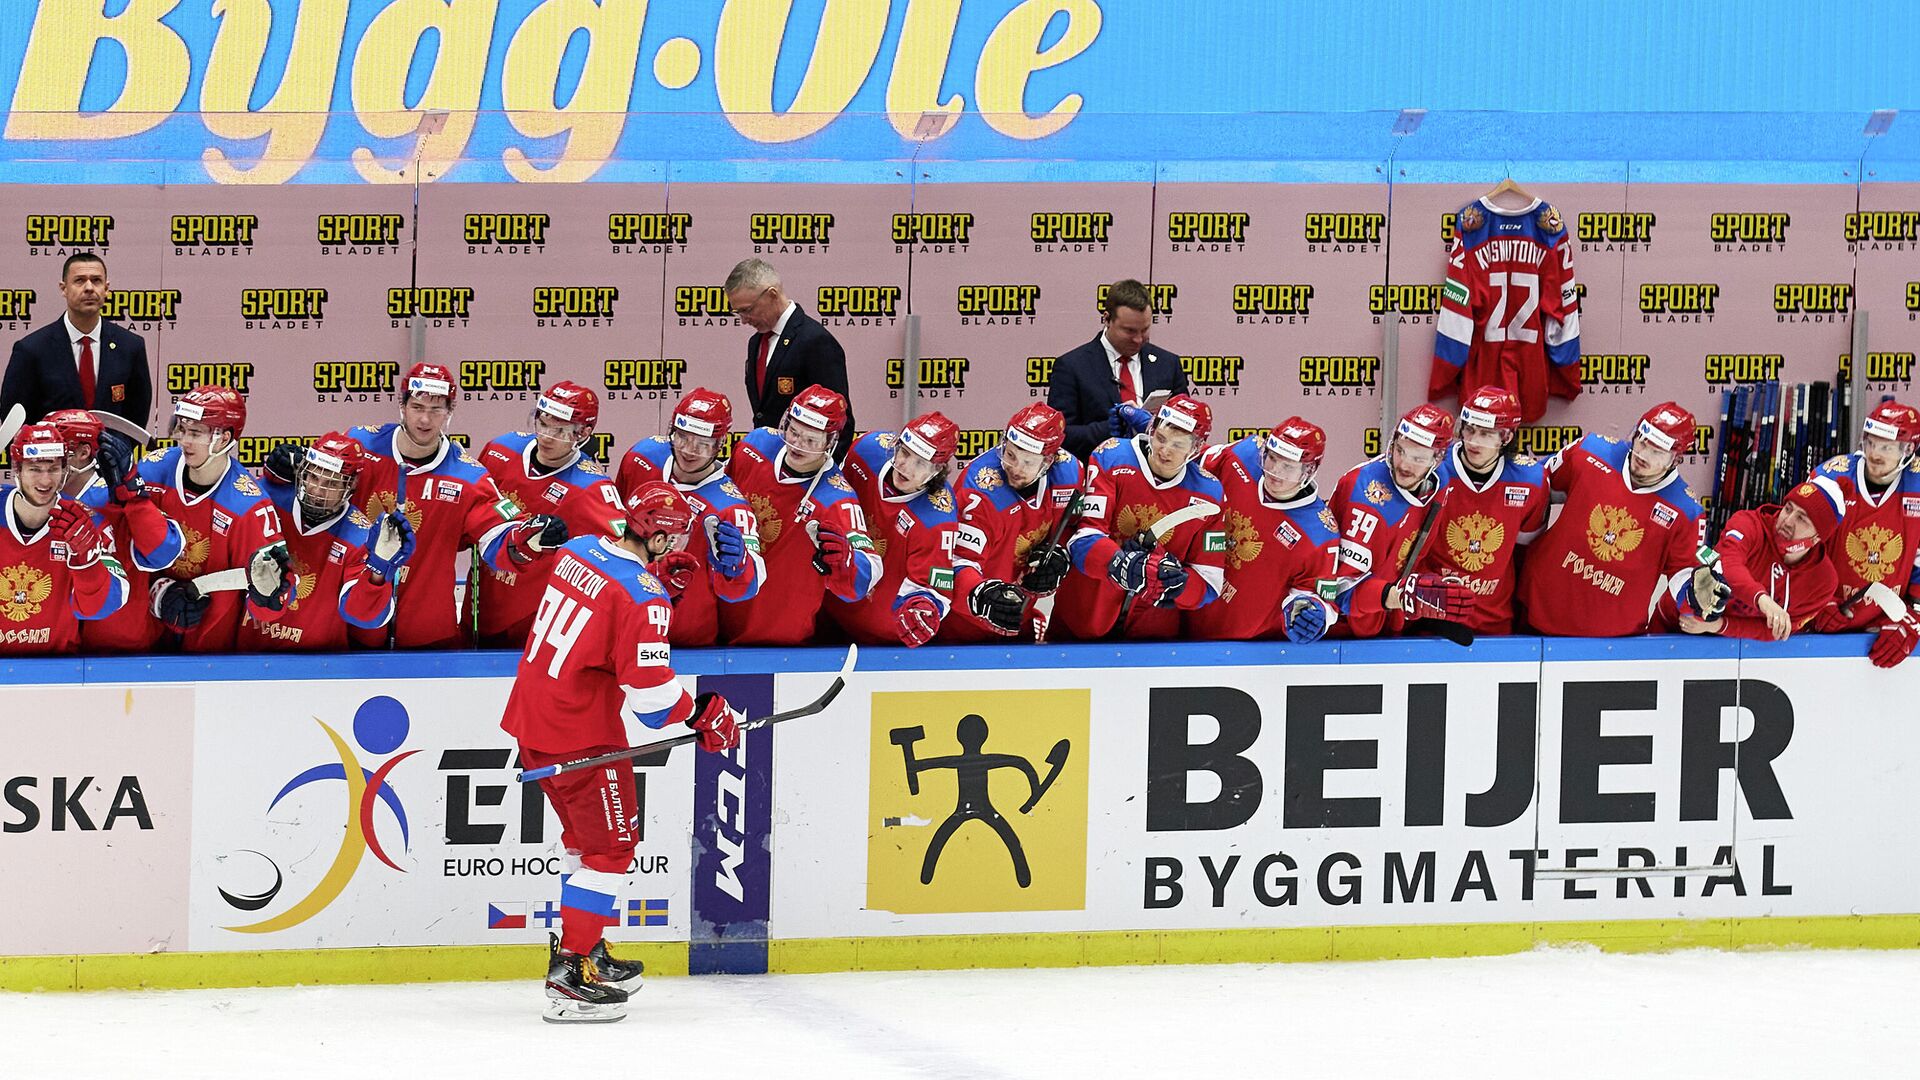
<point x="817" y="705"/>
<point x="1457" y="632"/>
<point x="16" y="419"/>
<point x="1150" y="538"/>
<point x="1044" y="604"/>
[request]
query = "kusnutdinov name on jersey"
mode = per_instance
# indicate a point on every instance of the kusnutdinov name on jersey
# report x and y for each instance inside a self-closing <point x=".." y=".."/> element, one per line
<point x="506" y="234"/>
<point x="557" y="306"/>
<point x="182" y="378"/>
<point x="1614" y="373"/>
<point x="1055" y="231"/>
<point x="1210" y="230"/>
<point x="931" y="233"/>
<point x="649" y="233"/>
<point x="790" y="234"/>
<point x="1272" y="304"/>
<point x="1213" y="376"/>
<point x="1724" y="369"/>
<point x="213" y="234"/>
<point x="1408" y="303"/>
<point x="1748" y="232"/>
<point x="1338" y="376"/>
<point x="1678" y="301"/>
<point x="646" y="379"/>
<point x="354" y="380"/>
<point x="940" y="377"/>
<point x="1884" y="369"/>
<point x="1159" y="297"/>
<point x="1344" y="232"/>
<point x="63" y="234"/>
<point x="1882" y="230"/>
<point x="1614" y="231"/>
<point x="142" y="309"/>
<point x="1811" y="302"/>
<point x="857" y="305"/>
<point x="359" y="234"/>
<point x="283" y="309"/>
<point x="997" y="305"/>
<point x="440" y="305"/>
<point x="16" y="306"/>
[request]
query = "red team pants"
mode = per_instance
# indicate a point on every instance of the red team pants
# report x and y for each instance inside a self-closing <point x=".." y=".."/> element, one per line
<point x="599" y="827"/>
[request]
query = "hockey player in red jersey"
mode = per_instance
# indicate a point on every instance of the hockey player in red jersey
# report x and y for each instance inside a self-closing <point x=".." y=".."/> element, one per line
<point x="1131" y="485"/>
<point x="813" y="533"/>
<point x="55" y="567"/>
<point x="721" y="563"/>
<point x="544" y="471"/>
<point x="1510" y="310"/>
<point x="1495" y="502"/>
<point x="1281" y="538"/>
<point x="1010" y="501"/>
<point x="901" y="481"/>
<point x="226" y="522"/>
<point x="1382" y="507"/>
<point x="596" y="677"/>
<point x="345" y="562"/>
<point x="1628" y="525"/>
<point x="1877" y="552"/>
<point x="81" y="430"/>
<point x="1774" y="575"/>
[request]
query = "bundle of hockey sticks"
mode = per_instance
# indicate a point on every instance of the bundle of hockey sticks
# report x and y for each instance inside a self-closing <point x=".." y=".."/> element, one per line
<point x="1772" y="436"/>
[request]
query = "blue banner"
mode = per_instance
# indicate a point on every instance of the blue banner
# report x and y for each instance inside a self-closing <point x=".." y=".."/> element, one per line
<point x="733" y="840"/>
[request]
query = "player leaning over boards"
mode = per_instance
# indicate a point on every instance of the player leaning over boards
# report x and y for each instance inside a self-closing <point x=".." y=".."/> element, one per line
<point x="1773" y="575"/>
<point x="1875" y="553"/>
<point x="596" y="677"/>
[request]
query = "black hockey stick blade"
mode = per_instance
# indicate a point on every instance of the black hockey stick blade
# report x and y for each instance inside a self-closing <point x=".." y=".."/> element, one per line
<point x="817" y="705"/>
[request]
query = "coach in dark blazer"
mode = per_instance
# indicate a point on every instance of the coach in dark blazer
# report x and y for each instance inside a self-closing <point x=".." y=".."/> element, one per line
<point x="1087" y="381"/>
<point x="44" y="373"/>
<point x="800" y="352"/>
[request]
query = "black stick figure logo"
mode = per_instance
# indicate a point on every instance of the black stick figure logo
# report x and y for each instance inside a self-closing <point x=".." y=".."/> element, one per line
<point x="971" y="768"/>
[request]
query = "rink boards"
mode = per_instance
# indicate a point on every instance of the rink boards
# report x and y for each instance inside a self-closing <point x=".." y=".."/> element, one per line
<point x="242" y="821"/>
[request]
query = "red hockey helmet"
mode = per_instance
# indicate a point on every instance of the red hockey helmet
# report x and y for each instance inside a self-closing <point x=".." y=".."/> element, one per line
<point x="326" y="475"/>
<point x="77" y="426"/>
<point x="1493" y="407"/>
<point x="338" y="453"/>
<point x="703" y="412"/>
<point x="655" y="507"/>
<point x="1888" y="420"/>
<point x="221" y="408"/>
<point x="37" y="442"/>
<point x="570" y="403"/>
<point x="1426" y="425"/>
<point x="1667" y="426"/>
<point x="429" y="379"/>
<point x="1188" y="414"/>
<point x="932" y="436"/>
<point x="1038" y="429"/>
<point x="821" y="409"/>
<point x="1297" y="440"/>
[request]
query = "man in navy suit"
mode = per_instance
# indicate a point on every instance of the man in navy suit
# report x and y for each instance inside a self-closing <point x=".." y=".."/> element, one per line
<point x="1116" y="368"/>
<point x="788" y="351"/>
<point x="82" y="361"/>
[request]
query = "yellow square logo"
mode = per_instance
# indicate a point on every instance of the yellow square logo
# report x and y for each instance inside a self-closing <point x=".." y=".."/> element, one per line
<point x="978" y="801"/>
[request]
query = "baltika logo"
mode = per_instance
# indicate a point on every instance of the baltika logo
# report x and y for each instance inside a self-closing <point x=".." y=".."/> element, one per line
<point x="931" y="233"/>
<point x="1811" y="303"/>
<point x="1344" y="232"/>
<point x="359" y="234"/>
<point x="940" y="377"/>
<point x="16" y="306"/>
<point x="1218" y="230"/>
<point x="1677" y="301"/>
<point x="643" y="380"/>
<point x="1614" y="231"/>
<point x="500" y="380"/>
<point x="182" y="378"/>
<point x="1885" y="370"/>
<point x="283" y="309"/>
<point x="1058" y="231"/>
<point x="1039" y="375"/>
<point x="440" y="305"/>
<point x="60" y="235"/>
<point x="142" y="309"/>
<point x="1614" y="373"/>
<point x="1882" y="230"/>
<point x="948" y="834"/>
<point x="354" y="380"/>
<point x="703" y="305"/>
<point x="557" y="306"/>
<point x="1213" y="376"/>
<point x="1159" y="297"/>
<point x="648" y="234"/>
<point x="380" y="725"/>
<point x="1725" y="369"/>
<point x="1272" y="305"/>
<point x="857" y="305"/>
<point x="997" y="305"/>
<point x="1748" y="233"/>
<point x="506" y="234"/>
<point x="1338" y="376"/>
<point x="213" y="234"/>
<point x="790" y="234"/>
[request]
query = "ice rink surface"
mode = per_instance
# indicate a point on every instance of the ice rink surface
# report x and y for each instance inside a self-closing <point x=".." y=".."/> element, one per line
<point x="1561" y="1013"/>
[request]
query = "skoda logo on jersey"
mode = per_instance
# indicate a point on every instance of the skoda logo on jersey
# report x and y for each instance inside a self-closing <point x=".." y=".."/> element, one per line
<point x="380" y="725"/>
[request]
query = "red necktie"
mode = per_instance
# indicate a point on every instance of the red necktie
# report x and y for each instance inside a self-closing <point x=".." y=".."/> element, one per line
<point x="86" y="372"/>
<point x="760" y="372"/>
<point x="1129" y="392"/>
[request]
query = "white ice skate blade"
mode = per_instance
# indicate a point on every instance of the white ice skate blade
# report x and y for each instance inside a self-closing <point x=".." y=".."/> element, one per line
<point x="631" y="986"/>
<point x="579" y="1012"/>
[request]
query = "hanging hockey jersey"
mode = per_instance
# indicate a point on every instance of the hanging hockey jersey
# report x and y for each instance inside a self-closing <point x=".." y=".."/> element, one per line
<point x="597" y="654"/>
<point x="1123" y="499"/>
<point x="997" y="528"/>
<point x="145" y="542"/>
<point x="1479" y="532"/>
<point x="332" y="592"/>
<point x="1276" y="551"/>
<point x="1510" y="310"/>
<point x="578" y="494"/>
<point x="912" y="534"/>
<point x="1378" y="521"/>
<point x="1597" y="569"/>
<point x="784" y="610"/>
<point x="1879" y="539"/>
<point x="696" y="614"/>
<point x="42" y="602"/>
<point x="221" y="529"/>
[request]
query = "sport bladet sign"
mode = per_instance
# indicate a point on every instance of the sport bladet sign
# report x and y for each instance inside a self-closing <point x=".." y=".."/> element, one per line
<point x="1298" y="796"/>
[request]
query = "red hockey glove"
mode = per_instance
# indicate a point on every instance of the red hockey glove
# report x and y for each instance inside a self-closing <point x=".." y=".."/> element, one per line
<point x="1430" y="596"/>
<point x="917" y="617"/>
<point x="676" y="570"/>
<point x="717" y="722"/>
<point x="1831" y="620"/>
<point x="835" y="557"/>
<point x="1895" y="642"/>
<point x="73" y="530"/>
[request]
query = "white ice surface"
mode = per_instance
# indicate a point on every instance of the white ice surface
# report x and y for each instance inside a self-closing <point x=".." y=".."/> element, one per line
<point x="1551" y="1013"/>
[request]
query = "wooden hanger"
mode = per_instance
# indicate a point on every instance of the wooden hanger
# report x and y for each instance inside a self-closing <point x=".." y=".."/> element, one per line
<point x="1508" y="187"/>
